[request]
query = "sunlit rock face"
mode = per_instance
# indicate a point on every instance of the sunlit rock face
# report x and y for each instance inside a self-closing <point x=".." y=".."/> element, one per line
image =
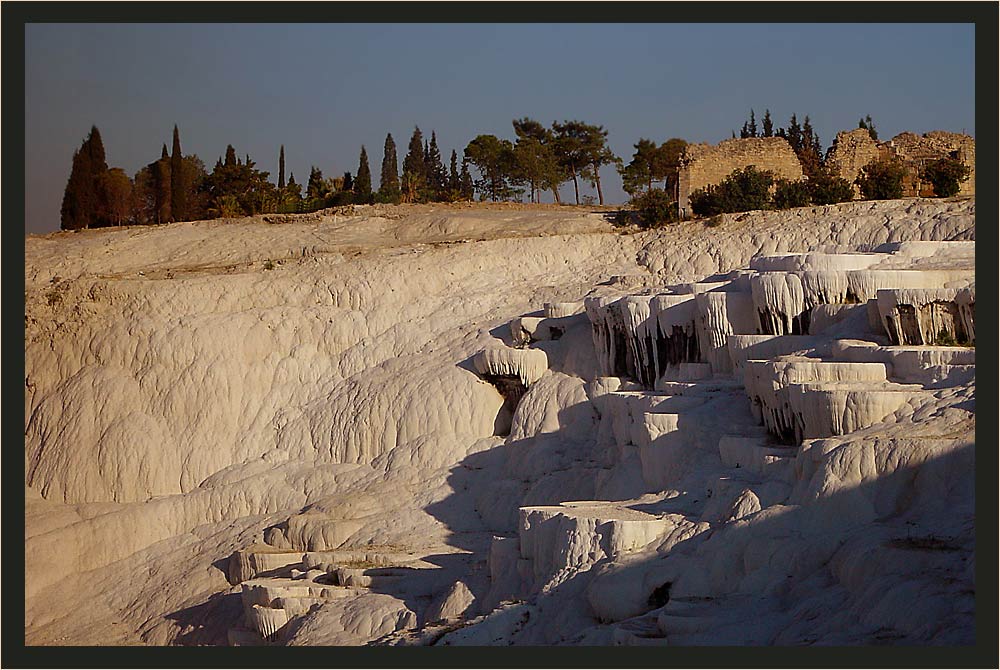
<point x="428" y="425"/>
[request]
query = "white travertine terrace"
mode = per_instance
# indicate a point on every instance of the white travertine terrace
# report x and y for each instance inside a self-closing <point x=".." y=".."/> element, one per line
<point x="555" y="310"/>
<point x="923" y="316"/>
<point x="715" y="437"/>
<point x="526" y="365"/>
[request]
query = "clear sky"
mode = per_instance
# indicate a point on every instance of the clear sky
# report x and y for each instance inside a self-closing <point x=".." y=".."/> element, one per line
<point x="323" y="90"/>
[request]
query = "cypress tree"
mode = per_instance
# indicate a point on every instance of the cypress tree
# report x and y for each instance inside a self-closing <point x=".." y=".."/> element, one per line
<point x="161" y="186"/>
<point x="281" y="167"/>
<point x="230" y="155"/>
<point x="768" y="126"/>
<point x="99" y="175"/>
<point x="178" y="189"/>
<point x="347" y="182"/>
<point x="794" y="134"/>
<point x="437" y="175"/>
<point x="454" y="180"/>
<point x="427" y="185"/>
<point x="389" y="184"/>
<point x="78" y="199"/>
<point x="363" y="182"/>
<point x="752" y="127"/>
<point x="85" y="201"/>
<point x="413" y="167"/>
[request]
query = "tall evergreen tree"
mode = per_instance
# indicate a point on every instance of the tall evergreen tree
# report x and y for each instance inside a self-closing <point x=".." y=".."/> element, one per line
<point x="454" y="180"/>
<point x="178" y="187"/>
<point x="85" y="201"/>
<point x="752" y="127"/>
<point x="230" y="155"/>
<point x="363" y="182"/>
<point x="388" y="188"/>
<point x="794" y="134"/>
<point x="768" y="125"/>
<point x="281" y="167"/>
<point x="437" y="174"/>
<point x="810" y="151"/>
<point x="466" y="188"/>
<point x="316" y="187"/>
<point x="162" y="187"/>
<point x="79" y="198"/>
<point x="414" y="176"/>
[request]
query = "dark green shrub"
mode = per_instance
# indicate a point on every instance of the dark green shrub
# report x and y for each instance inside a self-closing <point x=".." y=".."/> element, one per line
<point x="945" y="174"/>
<point x="882" y="179"/>
<point x="654" y="208"/>
<point x="790" y="194"/>
<point x="742" y="191"/>
<point x="826" y="188"/>
<point x="706" y="201"/>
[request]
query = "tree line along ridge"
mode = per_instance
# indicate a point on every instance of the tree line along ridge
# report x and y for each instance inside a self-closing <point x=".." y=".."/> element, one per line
<point x="178" y="187"/>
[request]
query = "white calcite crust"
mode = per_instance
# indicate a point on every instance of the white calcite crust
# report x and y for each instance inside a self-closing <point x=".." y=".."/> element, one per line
<point x="248" y="433"/>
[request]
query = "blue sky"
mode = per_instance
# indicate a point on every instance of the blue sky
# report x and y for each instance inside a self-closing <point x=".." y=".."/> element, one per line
<point x="323" y="90"/>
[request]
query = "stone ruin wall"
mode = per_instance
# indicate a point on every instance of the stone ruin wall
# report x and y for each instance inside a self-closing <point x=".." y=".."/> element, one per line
<point x="918" y="150"/>
<point x="704" y="164"/>
<point x="853" y="149"/>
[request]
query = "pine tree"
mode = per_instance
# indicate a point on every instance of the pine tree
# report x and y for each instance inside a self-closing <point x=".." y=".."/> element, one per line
<point x="230" y="155"/>
<point x="597" y="153"/>
<point x="281" y="167"/>
<point x="752" y="128"/>
<point x="768" y="126"/>
<point x="571" y="151"/>
<point x="413" y="168"/>
<point x="178" y="188"/>
<point x="363" y="182"/>
<point x="388" y="189"/>
<point x="536" y="151"/>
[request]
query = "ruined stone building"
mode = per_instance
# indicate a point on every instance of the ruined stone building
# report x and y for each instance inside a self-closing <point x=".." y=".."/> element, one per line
<point x="704" y="164"/>
<point x="853" y="149"/>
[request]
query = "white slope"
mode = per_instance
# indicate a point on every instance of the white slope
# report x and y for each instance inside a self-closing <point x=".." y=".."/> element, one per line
<point x="195" y="389"/>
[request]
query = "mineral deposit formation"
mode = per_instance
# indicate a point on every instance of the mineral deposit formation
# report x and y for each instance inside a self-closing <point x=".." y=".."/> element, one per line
<point x="427" y="425"/>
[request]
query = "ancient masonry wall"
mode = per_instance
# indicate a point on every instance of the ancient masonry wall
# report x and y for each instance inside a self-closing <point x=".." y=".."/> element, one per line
<point x="704" y="164"/>
<point x="853" y="149"/>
